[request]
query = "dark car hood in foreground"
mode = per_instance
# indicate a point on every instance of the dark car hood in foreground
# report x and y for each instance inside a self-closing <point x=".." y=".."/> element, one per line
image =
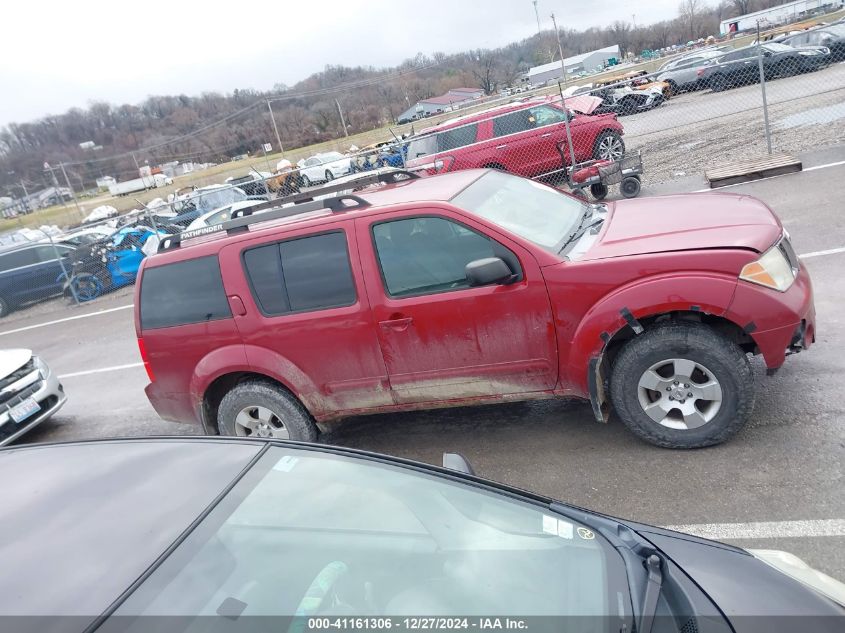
<point x="754" y="596"/>
<point x="686" y="222"/>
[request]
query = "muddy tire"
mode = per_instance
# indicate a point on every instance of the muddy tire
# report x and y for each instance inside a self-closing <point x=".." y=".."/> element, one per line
<point x="682" y="385"/>
<point x="262" y="409"/>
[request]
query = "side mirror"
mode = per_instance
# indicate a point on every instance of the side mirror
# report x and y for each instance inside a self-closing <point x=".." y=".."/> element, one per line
<point x="488" y="271"/>
<point x="456" y="461"/>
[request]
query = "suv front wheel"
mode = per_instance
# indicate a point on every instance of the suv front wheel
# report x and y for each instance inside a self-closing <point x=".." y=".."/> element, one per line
<point x="257" y="408"/>
<point x="682" y="385"/>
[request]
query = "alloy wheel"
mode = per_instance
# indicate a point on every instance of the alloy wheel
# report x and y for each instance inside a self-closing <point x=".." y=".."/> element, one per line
<point x="679" y="393"/>
<point x="257" y="421"/>
<point x="611" y="147"/>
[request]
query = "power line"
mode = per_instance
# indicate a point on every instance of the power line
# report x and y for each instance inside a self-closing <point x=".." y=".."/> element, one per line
<point x="283" y="97"/>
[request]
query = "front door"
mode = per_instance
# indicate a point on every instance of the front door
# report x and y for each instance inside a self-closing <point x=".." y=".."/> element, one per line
<point x="441" y="339"/>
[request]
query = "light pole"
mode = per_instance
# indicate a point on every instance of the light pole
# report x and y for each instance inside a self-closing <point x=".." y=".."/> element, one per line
<point x="275" y="128"/>
<point x="537" y="15"/>
<point x="560" y="49"/>
<point x="342" y="120"/>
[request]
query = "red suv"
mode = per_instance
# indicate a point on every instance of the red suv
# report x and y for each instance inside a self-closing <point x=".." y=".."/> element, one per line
<point x="527" y="137"/>
<point x="472" y="287"/>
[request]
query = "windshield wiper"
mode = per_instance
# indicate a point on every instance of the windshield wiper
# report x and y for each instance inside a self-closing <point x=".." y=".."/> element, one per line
<point x="587" y="213"/>
<point x="652" y="593"/>
<point x="579" y="232"/>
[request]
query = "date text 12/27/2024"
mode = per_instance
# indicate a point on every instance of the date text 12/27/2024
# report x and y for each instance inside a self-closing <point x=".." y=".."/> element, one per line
<point x="416" y="624"/>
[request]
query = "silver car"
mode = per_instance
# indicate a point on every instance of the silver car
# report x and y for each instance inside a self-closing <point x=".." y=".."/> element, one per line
<point x="681" y="73"/>
<point x="29" y="393"/>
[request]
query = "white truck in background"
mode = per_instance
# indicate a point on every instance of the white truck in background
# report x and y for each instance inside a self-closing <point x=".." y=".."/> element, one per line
<point x="143" y="183"/>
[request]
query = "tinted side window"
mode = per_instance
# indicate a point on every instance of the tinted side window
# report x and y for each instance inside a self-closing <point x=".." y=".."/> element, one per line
<point x="547" y="115"/>
<point x="317" y="273"/>
<point x="264" y="269"/>
<point x="48" y="253"/>
<point x="17" y="259"/>
<point x="512" y="123"/>
<point x="427" y="255"/>
<point x="457" y="137"/>
<point x="309" y="273"/>
<point x="184" y="292"/>
<point x="737" y="55"/>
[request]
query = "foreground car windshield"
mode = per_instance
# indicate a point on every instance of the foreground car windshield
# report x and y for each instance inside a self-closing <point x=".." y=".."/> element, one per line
<point x="310" y="533"/>
<point x="531" y="210"/>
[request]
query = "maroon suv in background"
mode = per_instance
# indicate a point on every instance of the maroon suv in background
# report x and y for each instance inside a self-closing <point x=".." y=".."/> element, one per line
<point x="524" y="137"/>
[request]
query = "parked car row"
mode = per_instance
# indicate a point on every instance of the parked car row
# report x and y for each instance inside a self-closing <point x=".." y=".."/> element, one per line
<point x="82" y="264"/>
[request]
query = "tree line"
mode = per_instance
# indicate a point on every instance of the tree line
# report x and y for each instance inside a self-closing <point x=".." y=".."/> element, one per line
<point x="212" y="127"/>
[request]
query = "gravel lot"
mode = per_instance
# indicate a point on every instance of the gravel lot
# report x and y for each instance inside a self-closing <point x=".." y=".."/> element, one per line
<point x="684" y="147"/>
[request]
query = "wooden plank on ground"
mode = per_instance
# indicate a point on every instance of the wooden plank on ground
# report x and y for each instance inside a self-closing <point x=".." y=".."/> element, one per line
<point x="752" y="169"/>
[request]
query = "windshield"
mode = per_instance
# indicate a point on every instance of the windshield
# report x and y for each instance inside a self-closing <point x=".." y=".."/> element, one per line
<point x="529" y="209"/>
<point x="309" y="532"/>
<point x="213" y="199"/>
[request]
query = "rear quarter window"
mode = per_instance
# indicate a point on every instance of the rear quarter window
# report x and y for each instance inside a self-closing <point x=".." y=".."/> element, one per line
<point x="183" y="292"/>
<point x="302" y="274"/>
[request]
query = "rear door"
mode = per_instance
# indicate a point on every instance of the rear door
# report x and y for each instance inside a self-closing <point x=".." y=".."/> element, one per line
<point x="307" y="317"/>
<point x="47" y="276"/>
<point x="442" y="340"/>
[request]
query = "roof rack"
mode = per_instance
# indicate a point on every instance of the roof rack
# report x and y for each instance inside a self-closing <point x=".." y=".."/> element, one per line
<point x="302" y="203"/>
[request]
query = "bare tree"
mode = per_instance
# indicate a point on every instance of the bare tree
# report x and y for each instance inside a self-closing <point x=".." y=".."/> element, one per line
<point x="484" y="71"/>
<point x="621" y="32"/>
<point x="742" y="6"/>
<point x="689" y="11"/>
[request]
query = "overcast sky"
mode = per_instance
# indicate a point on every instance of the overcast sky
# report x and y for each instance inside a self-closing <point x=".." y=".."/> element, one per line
<point x="55" y="55"/>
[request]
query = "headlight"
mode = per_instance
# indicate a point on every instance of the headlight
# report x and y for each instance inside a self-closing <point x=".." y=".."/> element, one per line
<point x="43" y="370"/>
<point x="773" y="269"/>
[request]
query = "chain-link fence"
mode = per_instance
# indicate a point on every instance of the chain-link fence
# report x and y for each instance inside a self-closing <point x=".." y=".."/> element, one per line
<point x="645" y="123"/>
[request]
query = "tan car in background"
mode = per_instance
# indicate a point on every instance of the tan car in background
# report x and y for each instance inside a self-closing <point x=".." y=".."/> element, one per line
<point x="637" y="80"/>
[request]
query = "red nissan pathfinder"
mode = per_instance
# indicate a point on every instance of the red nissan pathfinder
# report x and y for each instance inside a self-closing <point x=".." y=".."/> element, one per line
<point x="472" y="287"/>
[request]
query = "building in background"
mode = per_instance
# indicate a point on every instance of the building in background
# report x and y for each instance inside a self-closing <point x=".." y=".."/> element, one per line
<point x="104" y="181"/>
<point x="455" y="98"/>
<point x="583" y="63"/>
<point x="781" y="14"/>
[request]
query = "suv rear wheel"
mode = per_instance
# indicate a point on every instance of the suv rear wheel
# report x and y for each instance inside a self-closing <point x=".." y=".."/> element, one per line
<point x="257" y="408"/>
<point x="682" y="385"/>
<point x="609" y="146"/>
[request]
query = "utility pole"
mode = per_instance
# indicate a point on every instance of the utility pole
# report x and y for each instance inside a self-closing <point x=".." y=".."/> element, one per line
<point x="342" y="120"/>
<point x="275" y="129"/>
<point x="634" y="19"/>
<point x="55" y="181"/>
<point x="25" y="197"/>
<point x="763" y="88"/>
<point x="136" y="163"/>
<point x="560" y="48"/>
<point x="537" y="15"/>
<point x="72" y="192"/>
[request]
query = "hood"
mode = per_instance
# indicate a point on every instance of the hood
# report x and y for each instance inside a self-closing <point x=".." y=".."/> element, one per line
<point x="753" y="595"/>
<point x="686" y="222"/>
<point x="797" y="569"/>
<point x="12" y="359"/>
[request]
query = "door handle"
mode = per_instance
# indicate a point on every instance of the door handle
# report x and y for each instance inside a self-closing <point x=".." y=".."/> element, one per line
<point x="237" y="306"/>
<point x="501" y="146"/>
<point x="397" y="322"/>
<point x="546" y="135"/>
